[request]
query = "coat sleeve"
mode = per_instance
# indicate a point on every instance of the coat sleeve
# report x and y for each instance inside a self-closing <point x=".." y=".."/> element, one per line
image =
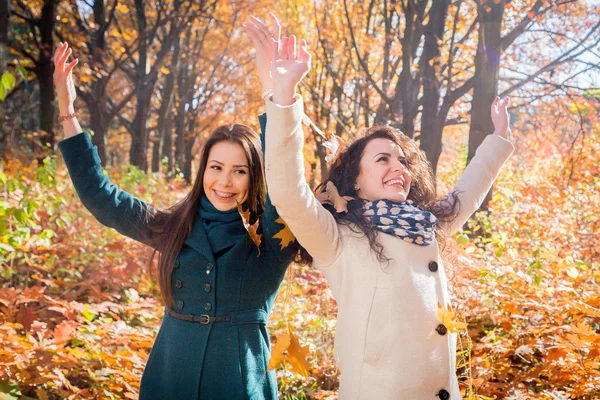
<point x="477" y="179"/>
<point x="111" y="206"/>
<point x="275" y="234"/>
<point x="313" y="226"/>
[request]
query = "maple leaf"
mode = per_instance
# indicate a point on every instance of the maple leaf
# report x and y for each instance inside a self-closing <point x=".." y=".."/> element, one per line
<point x="285" y="234"/>
<point x="335" y="145"/>
<point x="288" y="349"/>
<point x="332" y="196"/>
<point x="447" y="317"/>
<point x="252" y="229"/>
<point x="280" y="347"/>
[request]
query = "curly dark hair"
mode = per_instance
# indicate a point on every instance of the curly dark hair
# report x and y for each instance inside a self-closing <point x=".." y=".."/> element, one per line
<point x="345" y="170"/>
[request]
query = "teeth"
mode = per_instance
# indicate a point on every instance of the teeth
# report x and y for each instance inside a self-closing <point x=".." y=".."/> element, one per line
<point x="394" y="181"/>
<point x="222" y="194"/>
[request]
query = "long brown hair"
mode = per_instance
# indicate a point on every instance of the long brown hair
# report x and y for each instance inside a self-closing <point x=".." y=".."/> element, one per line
<point x="346" y="169"/>
<point x="172" y="226"/>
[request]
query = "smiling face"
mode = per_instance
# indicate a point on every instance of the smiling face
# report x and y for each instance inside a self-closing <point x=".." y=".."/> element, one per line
<point x="383" y="172"/>
<point x="227" y="175"/>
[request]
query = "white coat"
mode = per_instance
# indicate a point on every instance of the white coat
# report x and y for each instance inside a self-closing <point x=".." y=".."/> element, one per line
<point x="389" y="343"/>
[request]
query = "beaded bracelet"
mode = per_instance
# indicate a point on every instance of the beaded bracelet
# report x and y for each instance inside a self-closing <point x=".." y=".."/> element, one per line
<point x="266" y="93"/>
<point x="66" y="117"/>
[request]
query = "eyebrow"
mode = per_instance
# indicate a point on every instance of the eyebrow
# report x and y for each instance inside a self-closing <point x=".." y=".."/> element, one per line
<point x="235" y="166"/>
<point x="383" y="154"/>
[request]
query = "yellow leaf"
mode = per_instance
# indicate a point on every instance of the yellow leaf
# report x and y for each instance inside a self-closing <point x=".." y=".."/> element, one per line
<point x="297" y="357"/>
<point x="252" y="229"/>
<point x="573" y="272"/>
<point x="285" y="234"/>
<point x="548" y="255"/>
<point x="447" y="318"/>
<point x="280" y="347"/>
<point x="288" y="349"/>
<point x="165" y="70"/>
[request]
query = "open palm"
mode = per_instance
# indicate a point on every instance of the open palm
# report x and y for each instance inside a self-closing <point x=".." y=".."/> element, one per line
<point x="288" y="67"/>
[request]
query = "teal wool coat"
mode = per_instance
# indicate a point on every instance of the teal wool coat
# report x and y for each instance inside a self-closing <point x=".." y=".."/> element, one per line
<point x="192" y="360"/>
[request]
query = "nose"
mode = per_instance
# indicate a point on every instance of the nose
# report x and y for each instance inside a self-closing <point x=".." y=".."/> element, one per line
<point x="398" y="166"/>
<point x="226" y="180"/>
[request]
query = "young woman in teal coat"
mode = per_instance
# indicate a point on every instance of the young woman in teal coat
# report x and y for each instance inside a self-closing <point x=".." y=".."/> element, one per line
<point x="218" y="287"/>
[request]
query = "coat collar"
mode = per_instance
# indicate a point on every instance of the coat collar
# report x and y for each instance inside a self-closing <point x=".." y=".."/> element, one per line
<point x="198" y="240"/>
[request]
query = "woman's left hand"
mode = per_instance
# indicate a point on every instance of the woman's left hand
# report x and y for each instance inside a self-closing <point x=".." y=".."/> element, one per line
<point x="500" y="118"/>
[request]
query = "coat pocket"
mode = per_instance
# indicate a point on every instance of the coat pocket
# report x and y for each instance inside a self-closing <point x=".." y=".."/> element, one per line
<point x="378" y="326"/>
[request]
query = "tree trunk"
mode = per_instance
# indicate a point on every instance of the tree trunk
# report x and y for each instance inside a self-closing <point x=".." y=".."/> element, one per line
<point x="487" y="65"/>
<point x="44" y="71"/>
<point x="164" y="115"/>
<point x="431" y="127"/>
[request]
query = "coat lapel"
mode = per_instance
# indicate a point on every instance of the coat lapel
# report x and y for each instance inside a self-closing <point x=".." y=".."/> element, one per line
<point x="199" y="241"/>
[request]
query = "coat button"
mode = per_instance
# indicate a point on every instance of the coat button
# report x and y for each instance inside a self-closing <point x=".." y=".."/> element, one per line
<point x="442" y="330"/>
<point x="176" y="265"/>
<point x="207" y="306"/>
<point x="209" y="268"/>
<point x="179" y="304"/>
<point x="178" y="284"/>
<point x="443" y="394"/>
<point x="433" y="266"/>
<point x="207" y="287"/>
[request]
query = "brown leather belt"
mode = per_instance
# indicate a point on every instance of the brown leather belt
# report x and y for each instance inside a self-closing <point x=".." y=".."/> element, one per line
<point x="239" y="317"/>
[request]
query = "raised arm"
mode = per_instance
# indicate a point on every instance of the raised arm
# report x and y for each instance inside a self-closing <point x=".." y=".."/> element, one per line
<point x="482" y="171"/>
<point x="314" y="227"/>
<point x="109" y="205"/>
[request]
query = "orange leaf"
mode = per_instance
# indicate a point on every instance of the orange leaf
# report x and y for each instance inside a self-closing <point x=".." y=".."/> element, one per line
<point x="285" y="234"/>
<point x="288" y="349"/>
<point x="280" y="347"/>
<point x="64" y="331"/>
<point x="447" y="317"/>
<point x="252" y="229"/>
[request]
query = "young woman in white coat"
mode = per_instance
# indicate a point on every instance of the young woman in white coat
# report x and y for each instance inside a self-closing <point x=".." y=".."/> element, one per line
<point x="382" y="257"/>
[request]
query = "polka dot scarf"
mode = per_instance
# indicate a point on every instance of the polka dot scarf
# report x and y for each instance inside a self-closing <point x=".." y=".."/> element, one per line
<point x="404" y="220"/>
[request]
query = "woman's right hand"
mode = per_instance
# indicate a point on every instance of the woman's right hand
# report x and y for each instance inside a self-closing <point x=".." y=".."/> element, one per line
<point x="63" y="78"/>
<point x="288" y="68"/>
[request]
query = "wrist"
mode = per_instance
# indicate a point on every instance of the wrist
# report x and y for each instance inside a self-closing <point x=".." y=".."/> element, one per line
<point x="66" y="109"/>
<point x="284" y="96"/>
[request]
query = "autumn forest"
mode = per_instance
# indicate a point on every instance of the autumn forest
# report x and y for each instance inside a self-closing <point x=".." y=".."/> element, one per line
<point x="80" y="305"/>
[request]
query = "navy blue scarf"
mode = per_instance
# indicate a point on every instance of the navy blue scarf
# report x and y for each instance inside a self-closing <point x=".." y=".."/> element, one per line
<point x="403" y="220"/>
<point x="223" y="228"/>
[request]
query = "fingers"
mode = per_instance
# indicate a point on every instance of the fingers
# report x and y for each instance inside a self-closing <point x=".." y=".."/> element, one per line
<point x="262" y="30"/>
<point x="304" y="55"/>
<point x="71" y="65"/>
<point x="291" y="48"/>
<point x="284" y="48"/>
<point x="60" y="51"/>
<point x="254" y="36"/>
<point x="276" y="27"/>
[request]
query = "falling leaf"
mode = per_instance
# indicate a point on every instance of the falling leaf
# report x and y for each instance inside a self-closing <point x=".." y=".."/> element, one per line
<point x="252" y="229"/>
<point x="447" y="318"/>
<point x="288" y="349"/>
<point x="279" y="348"/>
<point x="285" y="234"/>
<point x="332" y="196"/>
<point x="335" y="144"/>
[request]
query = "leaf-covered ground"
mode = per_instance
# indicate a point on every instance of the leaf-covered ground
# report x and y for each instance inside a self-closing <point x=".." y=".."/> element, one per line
<point x="79" y="312"/>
